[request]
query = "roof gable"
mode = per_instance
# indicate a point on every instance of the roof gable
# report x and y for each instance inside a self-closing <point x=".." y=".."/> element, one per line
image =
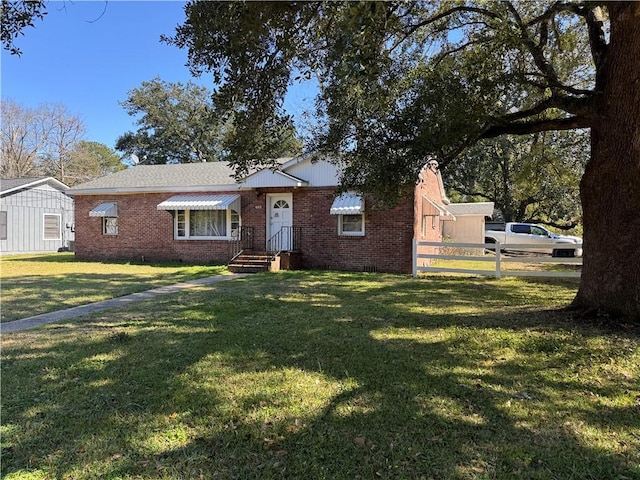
<point x="430" y="175"/>
<point x="300" y="171"/>
<point x="10" y="185"/>
<point x="272" y="178"/>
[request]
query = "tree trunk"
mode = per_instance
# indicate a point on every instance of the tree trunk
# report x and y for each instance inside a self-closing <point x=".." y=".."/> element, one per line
<point x="610" y="188"/>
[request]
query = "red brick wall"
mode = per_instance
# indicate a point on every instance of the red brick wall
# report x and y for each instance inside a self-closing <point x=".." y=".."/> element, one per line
<point x="145" y="231"/>
<point x="385" y="247"/>
<point x="429" y="186"/>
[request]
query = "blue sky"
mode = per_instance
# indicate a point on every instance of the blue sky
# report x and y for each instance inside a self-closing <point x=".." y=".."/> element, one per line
<point x="87" y="55"/>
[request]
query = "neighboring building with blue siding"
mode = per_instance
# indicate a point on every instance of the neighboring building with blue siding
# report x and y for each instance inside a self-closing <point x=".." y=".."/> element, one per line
<point x="36" y="215"/>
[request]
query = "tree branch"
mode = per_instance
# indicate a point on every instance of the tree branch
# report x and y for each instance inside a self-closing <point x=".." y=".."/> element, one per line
<point x="417" y="26"/>
<point x="449" y="12"/>
<point x="566" y="88"/>
<point x="536" y="51"/>
<point x="525" y="128"/>
<point x="556" y="8"/>
<point x="582" y="107"/>
<point x="471" y="193"/>
<point x="598" y="43"/>
<point x="595" y="25"/>
<point x="442" y="55"/>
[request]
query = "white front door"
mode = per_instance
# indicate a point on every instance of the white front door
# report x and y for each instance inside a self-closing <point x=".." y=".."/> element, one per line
<point x="280" y="210"/>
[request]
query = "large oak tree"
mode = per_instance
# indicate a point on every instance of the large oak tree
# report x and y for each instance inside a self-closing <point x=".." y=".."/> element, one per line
<point x="177" y="123"/>
<point x="403" y="81"/>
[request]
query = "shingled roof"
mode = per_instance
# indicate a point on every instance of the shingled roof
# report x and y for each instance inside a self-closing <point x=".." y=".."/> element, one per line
<point x="480" y="208"/>
<point x="182" y="177"/>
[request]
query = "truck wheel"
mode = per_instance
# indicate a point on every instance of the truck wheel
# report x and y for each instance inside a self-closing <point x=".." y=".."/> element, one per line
<point x="563" y="252"/>
<point x="490" y="240"/>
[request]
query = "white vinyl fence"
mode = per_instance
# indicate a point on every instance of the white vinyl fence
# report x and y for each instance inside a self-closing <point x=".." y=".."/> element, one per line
<point x="497" y="261"/>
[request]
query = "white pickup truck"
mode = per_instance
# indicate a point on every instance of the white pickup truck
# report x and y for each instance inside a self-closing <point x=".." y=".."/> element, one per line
<point x="541" y="240"/>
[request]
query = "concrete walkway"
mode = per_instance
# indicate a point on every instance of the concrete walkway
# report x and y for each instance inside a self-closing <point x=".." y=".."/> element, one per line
<point x="51" y="317"/>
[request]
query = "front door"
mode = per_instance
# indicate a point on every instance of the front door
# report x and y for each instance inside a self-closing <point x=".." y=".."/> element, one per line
<point x="280" y="219"/>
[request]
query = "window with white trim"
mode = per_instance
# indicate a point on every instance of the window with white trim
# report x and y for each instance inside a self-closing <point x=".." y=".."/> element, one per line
<point x="206" y="224"/>
<point x="351" y="225"/>
<point x="52" y="226"/>
<point x="110" y="225"/>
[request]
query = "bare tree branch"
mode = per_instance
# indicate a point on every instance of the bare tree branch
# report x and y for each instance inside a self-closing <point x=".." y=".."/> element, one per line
<point x="104" y="10"/>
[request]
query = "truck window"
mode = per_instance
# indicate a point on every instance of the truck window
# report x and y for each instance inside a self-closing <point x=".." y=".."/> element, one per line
<point x="521" y="228"/>
<point x="539" y="231"/>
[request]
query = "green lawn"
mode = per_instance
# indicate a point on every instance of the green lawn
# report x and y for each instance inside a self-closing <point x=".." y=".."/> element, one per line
<point x="34" y="284"/>
<point x="326" y="375"/>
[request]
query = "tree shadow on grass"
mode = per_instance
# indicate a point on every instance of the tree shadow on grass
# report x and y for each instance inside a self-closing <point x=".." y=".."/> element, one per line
<point x="48" y="258"/>
<point x="69" y="257"/>
<point x="361" y="380"/>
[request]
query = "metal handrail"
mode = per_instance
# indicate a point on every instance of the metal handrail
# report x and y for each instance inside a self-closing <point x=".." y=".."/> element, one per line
<point x="242" y="240"/>
<point x="276" y="243"/>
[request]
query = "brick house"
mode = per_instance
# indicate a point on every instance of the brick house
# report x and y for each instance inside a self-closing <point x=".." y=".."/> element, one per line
<point x="200" y="213"/>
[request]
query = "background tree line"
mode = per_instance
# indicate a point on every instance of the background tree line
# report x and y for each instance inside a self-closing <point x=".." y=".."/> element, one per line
<point x="533" y="178"/>
<point x="48" y="140"/>
<point x="177" y="123"/>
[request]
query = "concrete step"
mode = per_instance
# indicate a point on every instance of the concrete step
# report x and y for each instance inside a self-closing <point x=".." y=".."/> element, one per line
<point x="251" y="262"/>
<point x="238" y="268"/>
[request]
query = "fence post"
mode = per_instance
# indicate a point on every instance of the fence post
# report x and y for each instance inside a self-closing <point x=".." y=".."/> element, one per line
<point x="414" y="257"/>
<point x="498" y="257"/>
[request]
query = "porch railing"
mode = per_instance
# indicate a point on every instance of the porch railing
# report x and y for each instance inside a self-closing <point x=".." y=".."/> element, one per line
<point x="241" y="239"/>
<point x="286" y="239"/>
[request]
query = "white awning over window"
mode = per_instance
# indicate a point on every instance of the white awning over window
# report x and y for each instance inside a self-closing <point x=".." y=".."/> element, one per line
<point x="347" y="204"/>
<point x="108" y="209"/>
<point x="201" y="202"/>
